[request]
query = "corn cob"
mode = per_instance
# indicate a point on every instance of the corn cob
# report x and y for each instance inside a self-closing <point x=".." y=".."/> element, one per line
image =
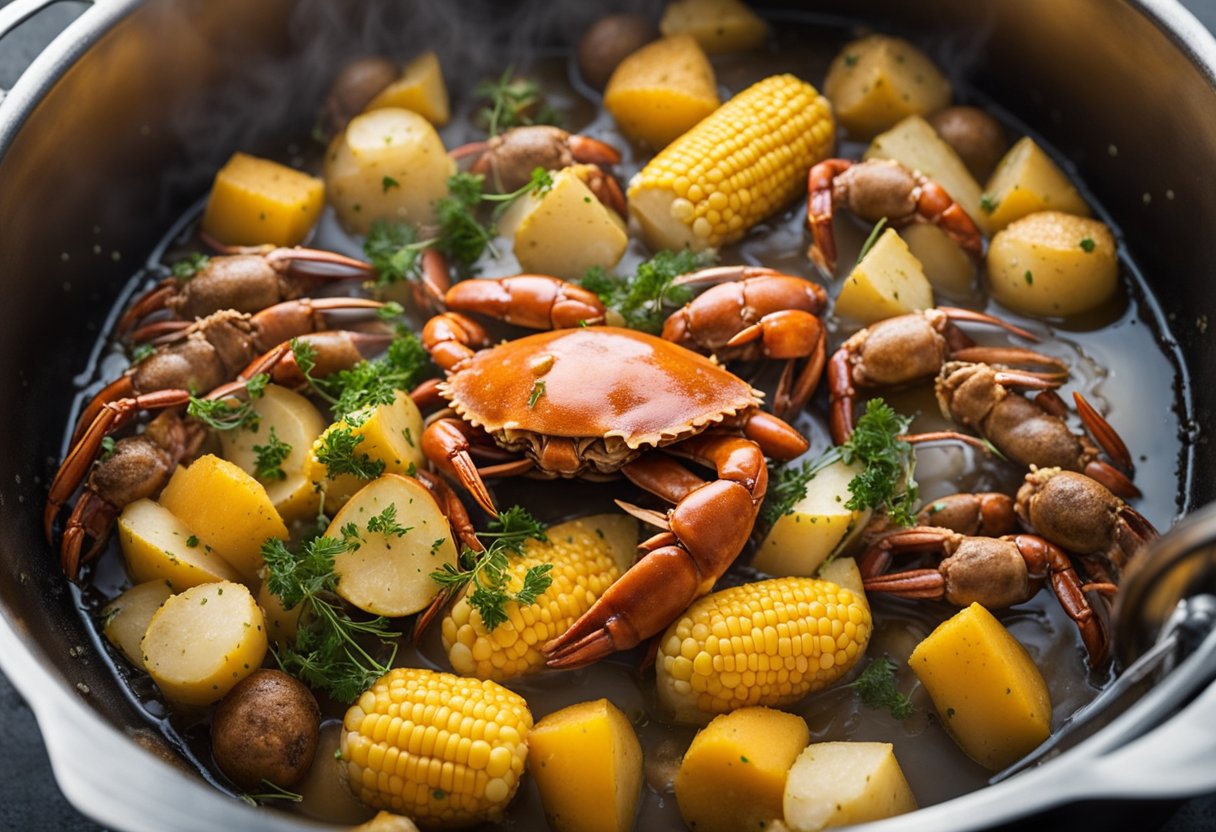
<point x="441" y="749"/>
<point x="765" y="643"/>
<point x="743" y="162"/>
<point x="587" y="557"/>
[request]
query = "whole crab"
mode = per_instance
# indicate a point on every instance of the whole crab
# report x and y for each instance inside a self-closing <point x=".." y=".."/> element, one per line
<point x="593" y="401"/>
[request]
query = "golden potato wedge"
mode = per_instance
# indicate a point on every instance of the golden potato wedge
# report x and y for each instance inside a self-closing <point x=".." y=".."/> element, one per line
<point x="255" y="201"/>
<point x="950" y="270"/>
<point x="288" y="424"/>
<point x="718" y="25"/>
<point x="1025" y="182"/>
<point x="662" y="90"/>
<point x="843" y="783"/>
<point x="420" y="88"/>
<point x="400" y="536"/>
<point x="878" y="80"/>
<point x="203" y="641"/>
<point x="126" y="618"/>
<point x="158" y="546"/>
<point x="887" y="282"/>
<point x="1055" y="264"/>
<point x="587" y="755"/>
<point x="281" y="624"/>
<point x="388" y="164"/>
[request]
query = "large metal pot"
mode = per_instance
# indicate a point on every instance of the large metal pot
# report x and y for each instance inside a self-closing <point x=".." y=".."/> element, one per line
<point x="119" y="123"/>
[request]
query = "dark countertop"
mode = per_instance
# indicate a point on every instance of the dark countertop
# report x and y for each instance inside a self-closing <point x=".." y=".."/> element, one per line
<point x="29" y="799"/>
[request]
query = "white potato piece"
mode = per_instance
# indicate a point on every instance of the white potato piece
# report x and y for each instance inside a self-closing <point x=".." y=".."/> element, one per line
<point x="818" y="525"/>
<point x="203" y="641"/>
<point x="285" y="419"/>
<point x="388" y="164"/>
<point x="566" y="230"/>
<point x="126" y="617"/>
<point x="420" y="88"/>
<point x="878" y="80"/>
<point x="887" y="282"/>
<point x="390" y="572"/>
<point x="949" y="269"/>
<point x="1054" y="264"/>
<point x="717" y="25"/>
<point x="1025" y="182"/>
<point x="844" y="573"/>
<point x="281" y="624"/>
<point x="160" y="547"/>
<point x="915" y="145"/>
<point x="842" y="783"/>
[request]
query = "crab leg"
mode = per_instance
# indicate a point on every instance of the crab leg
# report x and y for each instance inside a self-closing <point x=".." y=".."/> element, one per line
<point x="450" y="337"/>
<point x="528" y="300"/>
<point x="711" y="524"/>
<point x="790" y="334"/>
<point x="445" y="442"/>
<point x="776" y="438"/>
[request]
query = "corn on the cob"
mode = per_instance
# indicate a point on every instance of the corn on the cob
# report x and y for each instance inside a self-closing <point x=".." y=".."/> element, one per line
<point x="444" y="750"/>
<point x="745" y="161"/>
<point x="765" y="643"/>
<point x="587" y="557"/>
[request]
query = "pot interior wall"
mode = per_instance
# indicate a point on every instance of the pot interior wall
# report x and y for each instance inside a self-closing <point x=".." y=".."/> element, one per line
<point x="131" y="134"/>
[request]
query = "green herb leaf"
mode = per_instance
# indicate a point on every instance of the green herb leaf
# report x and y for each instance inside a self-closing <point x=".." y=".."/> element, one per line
<point x="108" y="448"/>
<point x="190" y="266"/>
<point x="538" y="390"/>
<point x="142" y="352"/>
<point x="230" y="413"/>
<point x="269" y="460"/>
<point x="513" y="102"/>
<point x="872" y="239"/>
<point x="988" y="203"/>
<point x="394" y="250"/>
<point x="385" y="523"/>
<point x="339" y="454"/>
<point x="388" y="182"/>
<point x="645" y="298"/>
<point x="272" y="792"/>
<point x="1088" y="245"/>
<point x="879" y="690"/>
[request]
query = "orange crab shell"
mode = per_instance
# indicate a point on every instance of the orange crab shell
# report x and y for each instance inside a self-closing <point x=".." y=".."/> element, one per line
<point x="597" y="383"/>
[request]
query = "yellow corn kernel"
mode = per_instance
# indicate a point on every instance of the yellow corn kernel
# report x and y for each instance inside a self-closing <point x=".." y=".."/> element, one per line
<point x="742" y="163"/>
<point x="587" y="557"/>
<point x="401" y="747"/>
<point x="765" y="643"/>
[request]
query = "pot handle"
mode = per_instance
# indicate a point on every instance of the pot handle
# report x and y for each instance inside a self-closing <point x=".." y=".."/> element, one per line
<point x="19" y="11"/>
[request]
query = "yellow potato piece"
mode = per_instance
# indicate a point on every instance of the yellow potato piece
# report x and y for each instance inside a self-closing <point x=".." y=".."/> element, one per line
<point x="159" y="546"/>
<point x="126" y="617"/>
<point x="878" y="80"/>
<point x="817" y="525"/>
<point x="950" y="270"/>
<point x="294" y="422"/>
<point x="1025" y="182"/>
<point x="390" y="573"/>
<point x="733" y="775"/>
<point x="387" y="822"/>
<point x="255" y="201"/>
<point x="281" y="624"/>
<point x="1055" y="264"/>
<point x="583" y="756"/>
<point x="887" y="282"/>
<point x="566" y="230"/>
<point x="227" y="509"/>
<point x="718" y="25"/>
<point x="985" y="687"/>
<point x="844" y="573"/>
<point x="391" y="435"/>
<point x="388" y="164"/>
<point x="660" y="91"/>
<point x="203" y="641"/>
<point x="843" y="783"/>
<point x="420" y="88"/>
<point x="915" y="145"/>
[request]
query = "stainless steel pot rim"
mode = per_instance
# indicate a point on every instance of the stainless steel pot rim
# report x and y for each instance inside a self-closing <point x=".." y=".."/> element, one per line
<point x="105" y="775"/>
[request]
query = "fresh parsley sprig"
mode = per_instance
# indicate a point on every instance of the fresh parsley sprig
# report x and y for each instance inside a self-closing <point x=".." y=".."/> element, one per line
<point x="339" y="453"/>
<point x="268" y="464"/>
<point x="644" y="298"/>
<point x="879" y="690"/>
<point x="488" y="571"/>
<point x="513" y="102"/>
<point x="886" y="483"/>
<point x="230" y="413"/>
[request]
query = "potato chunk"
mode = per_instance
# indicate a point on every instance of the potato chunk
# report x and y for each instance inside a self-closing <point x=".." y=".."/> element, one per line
<point x="420" y="88"/>
<point x="157" y="545"/>
<point x="949" y="269"/>
<point x="388" y="164"/>
<point x="587" y="755"/>
<point x="227" y="509"/>
<point x="985" y="687"/>
<point x="1053" y="264"/>
<point x="397" y="536"/>
<point x="718" y="25"/>
<point x="126" y="617"/>
<point x="733" y="775"/>
<point x="565" y="231"/>
<point x="818" y="525"/>
<point x="878" y="80"/>
<point x="288" y="424"/>
<point x="660" y="91"/>
<point x="887" y="282"/>
<point x="203" y="641"/>
<point x="842" y="783"/>
<point x="1027" y="181"/>
<point x="255" y="201"/>
<point x="916" y="146"/>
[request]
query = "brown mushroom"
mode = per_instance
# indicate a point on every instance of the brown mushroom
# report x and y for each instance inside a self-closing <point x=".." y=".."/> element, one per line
<point x="266" y="728"/>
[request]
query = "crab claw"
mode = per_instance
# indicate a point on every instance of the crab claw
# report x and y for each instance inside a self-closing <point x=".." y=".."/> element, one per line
<point x="446" y="443"/>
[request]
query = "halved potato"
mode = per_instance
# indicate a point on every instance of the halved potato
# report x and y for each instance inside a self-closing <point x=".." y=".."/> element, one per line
<point x="390" y="572"/>
<point x="842" y="783"/>
<point x="126" y="618"/>
<point x="660" y="91"/>
<point x="718" y="25"/>
<point x="158" y="546"/>
<point x="887" y="282"/>
<point x="295" y="422"/>
<point x="420" y="88"/>
<point x="878" y="80"/>
<point x="200" y="643"/>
